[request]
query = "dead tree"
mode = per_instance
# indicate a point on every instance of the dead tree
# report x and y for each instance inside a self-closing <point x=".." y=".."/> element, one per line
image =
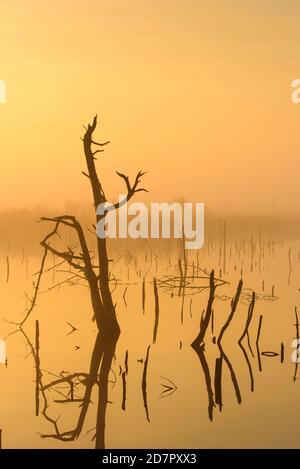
<point x="96" y="276"/>
<point x="96" y="273"/>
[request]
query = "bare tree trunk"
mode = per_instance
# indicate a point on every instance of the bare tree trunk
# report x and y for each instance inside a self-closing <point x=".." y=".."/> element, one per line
<point x="109" y="346"/>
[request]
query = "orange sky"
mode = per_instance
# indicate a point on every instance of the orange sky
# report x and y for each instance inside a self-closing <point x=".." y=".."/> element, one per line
<point x="196" y="92"/>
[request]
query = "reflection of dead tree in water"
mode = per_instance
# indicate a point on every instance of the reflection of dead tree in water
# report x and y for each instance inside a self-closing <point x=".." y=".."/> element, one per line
<point x="183" y="274"/>
<point x="223" y="355"/>
<point x="88" y="380"/>
<point x="169" y="388"/>
<point x="82" y="267"/>
<point x="246" y="333"/>
<point x="144" y="384"/>
<point x="195" y="280"/>
<point x="199" y="346"/>
<point x="218" y="382"/>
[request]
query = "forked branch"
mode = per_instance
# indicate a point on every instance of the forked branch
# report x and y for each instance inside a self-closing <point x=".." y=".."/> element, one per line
<point x="131" y="189"/>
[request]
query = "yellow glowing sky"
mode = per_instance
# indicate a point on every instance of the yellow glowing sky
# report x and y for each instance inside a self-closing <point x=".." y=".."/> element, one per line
<point x="195" y="91"/>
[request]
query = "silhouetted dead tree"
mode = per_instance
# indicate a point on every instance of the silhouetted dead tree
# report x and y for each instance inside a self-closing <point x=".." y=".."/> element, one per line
<point x="82" y="266"/>
<point x="218" y="382"/>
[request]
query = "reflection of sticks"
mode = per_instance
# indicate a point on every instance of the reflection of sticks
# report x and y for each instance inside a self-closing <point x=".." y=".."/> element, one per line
<point x="124" y="296"/>
<point x="124" y="384"/>
<point x="156" y="310"/>
<point x="67" y="378"/>
<point x="259" y="329"/>
<point x="257" y="342"/>
<point x="233" y="376"/>
<point x="66" y="401"/>
<point x="124" y="390"/>
<point x="218" y="382"/>
<point x="144" y="384"/>
<point x="7" y="269"/>
<point x="249" y="318"/>
<point x="73" y="328"/>
<point x="281" y="352"/>
<point x="297" y="324"/>
<point x="270" y="354"/>
<point x="90" y="381"/>
<point x="37" y="352"/>
<point x="170" y="388"/>
<point x="198" y="344"/>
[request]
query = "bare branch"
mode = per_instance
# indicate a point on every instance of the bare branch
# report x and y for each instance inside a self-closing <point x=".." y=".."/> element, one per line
<point x="100" y="144"/>
<point x="131" y="190"/>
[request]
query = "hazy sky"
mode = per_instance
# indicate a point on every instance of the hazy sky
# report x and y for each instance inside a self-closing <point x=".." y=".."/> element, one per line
<point x="197" y="92"/>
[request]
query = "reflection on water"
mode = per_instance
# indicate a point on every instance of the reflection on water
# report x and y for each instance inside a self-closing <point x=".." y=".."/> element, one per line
<point x="203" y="359"/>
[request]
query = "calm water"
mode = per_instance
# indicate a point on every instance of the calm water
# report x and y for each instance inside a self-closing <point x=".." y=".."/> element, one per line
<point x="176" y="389"/>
